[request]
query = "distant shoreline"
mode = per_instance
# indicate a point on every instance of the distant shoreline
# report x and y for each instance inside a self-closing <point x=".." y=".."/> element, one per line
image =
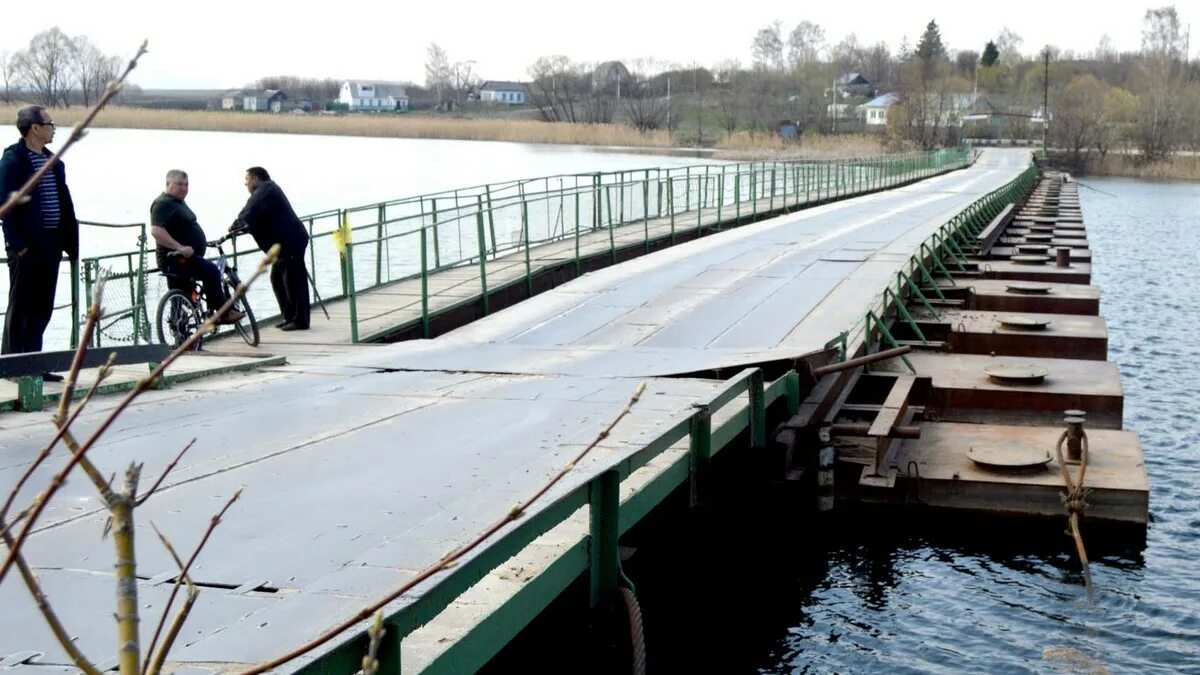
<point x="740" y="146"/>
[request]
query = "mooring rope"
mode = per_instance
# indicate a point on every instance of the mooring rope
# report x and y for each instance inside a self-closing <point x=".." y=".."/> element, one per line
<point x="637" y="636"/>
<point x="1075" y="500"/>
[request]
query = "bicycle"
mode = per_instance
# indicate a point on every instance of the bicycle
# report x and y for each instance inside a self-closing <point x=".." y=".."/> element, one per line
<point x="184" y="308"/>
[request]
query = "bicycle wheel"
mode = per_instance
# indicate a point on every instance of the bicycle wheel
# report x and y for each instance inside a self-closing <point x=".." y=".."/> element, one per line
<point x="247" y="327"/>
<point x="177" y="318"/>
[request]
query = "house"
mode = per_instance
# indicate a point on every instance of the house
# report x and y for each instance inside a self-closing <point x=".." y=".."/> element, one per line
<point x="373" y="96"/>
<point x="874" y="112"/>
<point x="509" y="93"/>
<point x="263" y="100"/>
<point x="853" y="84"/>
<point x="232" y="100"/>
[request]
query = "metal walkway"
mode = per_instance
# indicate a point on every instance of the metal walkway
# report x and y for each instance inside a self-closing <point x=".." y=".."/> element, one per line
<point x="358" y="475"/>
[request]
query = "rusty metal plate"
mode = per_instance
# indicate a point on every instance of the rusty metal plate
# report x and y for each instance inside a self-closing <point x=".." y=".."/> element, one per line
<point x="1024" y="373"/>
<point x="1008" y="456"/>
<point x="1028" y="288"/>
<point x="1030" y="259"/>
<point x="1023" y="323"/>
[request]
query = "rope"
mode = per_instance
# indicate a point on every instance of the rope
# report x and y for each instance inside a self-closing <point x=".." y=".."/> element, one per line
<point x="637" y="637"/>
<point x="1075" y="500"/>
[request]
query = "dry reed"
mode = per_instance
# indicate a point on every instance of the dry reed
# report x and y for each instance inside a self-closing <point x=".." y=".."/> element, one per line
<point x="386" y="126"/>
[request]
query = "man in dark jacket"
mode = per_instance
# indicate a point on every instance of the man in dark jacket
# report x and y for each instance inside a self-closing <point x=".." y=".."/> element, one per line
<point x="269" y="218"/>
<point x="36" y="234"/>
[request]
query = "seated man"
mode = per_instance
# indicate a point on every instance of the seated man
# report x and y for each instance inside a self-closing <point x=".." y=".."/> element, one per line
<point x="181" y="243"/>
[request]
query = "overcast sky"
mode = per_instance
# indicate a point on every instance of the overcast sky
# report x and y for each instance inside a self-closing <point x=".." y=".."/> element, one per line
<point x="219" y="44"/>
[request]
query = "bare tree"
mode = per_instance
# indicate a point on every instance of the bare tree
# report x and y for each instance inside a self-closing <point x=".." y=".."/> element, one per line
<point x="463" y="77"/>
<point x="730" y="79"/>
<point x="879" y="65"/>
<point x="437" y="70"/>
<point x="767" y="47"/>
<point x="1162" y="78"/>
<point x="45" y="66"/>
<point x="644" y="105"/>
<point x="1079" y="118"/>
<point x="804" y="43"/>
<point x="560" y="89"/>
<point x="9" y="64"/>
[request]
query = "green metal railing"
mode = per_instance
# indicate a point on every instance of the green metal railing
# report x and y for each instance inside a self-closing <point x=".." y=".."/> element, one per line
<point x="598" y="213"/>
<point x="741" y="403"/>
<point x="947" y="248"/>
<point x="495" y="224"/>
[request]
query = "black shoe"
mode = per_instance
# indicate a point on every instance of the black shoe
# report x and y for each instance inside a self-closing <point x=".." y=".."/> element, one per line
<point x="51" y="377"/>
<point x="292" y="326"/>
<point x="281" y="324"/>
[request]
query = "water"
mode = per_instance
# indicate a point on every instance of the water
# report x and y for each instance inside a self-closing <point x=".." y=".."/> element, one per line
<point x="859" y="595"/>
<point x="758" y="584"/>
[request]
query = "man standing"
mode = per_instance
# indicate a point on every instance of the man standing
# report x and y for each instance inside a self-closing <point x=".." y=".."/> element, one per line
<point x="269" y="218"/>
<point x="36" y="233"/>
<point x="181" y="243"/>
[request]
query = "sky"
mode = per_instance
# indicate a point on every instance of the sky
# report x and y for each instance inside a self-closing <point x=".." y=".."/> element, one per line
<point x="221" y="44"/>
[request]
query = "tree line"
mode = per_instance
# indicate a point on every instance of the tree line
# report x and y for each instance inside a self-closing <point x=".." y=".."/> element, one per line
<point x="57" y="70"/>
<point x="1145" y="101"/>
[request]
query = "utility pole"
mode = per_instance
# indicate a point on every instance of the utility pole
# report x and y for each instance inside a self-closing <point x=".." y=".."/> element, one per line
<point x="1045" y="99"/>
<point x="669" y="129"/>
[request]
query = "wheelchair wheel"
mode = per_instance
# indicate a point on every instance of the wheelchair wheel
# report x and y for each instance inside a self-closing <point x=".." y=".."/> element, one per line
<point x="247" y="327"/>
<point x="177" y="318"/>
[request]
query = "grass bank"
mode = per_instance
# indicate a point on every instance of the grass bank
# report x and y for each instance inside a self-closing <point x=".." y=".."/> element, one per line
<point x="739" y="146"/>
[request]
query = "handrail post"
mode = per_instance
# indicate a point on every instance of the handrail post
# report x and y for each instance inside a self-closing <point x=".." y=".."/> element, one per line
<point x="380" y="216"/>
<point x="425" y="285"/>
<point x="670" y="205"/>
<point x="75" y="306"/>
<point x="487" y="189"/>
<point x="758" y="410"/>
<point x="437" y="254"/>
<point x="525" y="228"/>
<point x="482" y="255"/>
<point x="699" y="451"/>
<point x="349" y="276"/>
<point x="604" y="561"/>
<point x="792" y="388"/>
<point x="646" y="211"/>
<point x="577" y="215"/>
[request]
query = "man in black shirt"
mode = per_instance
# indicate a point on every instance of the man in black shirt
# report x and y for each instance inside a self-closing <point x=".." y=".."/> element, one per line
<point x="36" y="233"/>
<point x="269" y="218"/>
<point x="181" y="243"/>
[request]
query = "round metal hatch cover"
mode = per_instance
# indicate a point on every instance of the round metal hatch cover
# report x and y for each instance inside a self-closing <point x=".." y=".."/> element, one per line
<point x="1026" y="373"/>
<point x="1030" y="259"/>
<point x="1029" y="288"/>
<point x="1033" y="248"/>
<point x="1023" y="323"/>
<point x="1008" y="456"/>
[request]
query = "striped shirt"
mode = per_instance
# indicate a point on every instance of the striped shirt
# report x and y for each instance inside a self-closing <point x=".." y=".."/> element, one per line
<point x="47" y="191"/>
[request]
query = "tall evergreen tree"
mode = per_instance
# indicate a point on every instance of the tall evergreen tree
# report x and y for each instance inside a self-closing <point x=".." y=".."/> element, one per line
<point x="990" y="54"/>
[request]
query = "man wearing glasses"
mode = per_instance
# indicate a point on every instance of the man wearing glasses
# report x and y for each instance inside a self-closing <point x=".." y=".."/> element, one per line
<point x="36" y="233"/>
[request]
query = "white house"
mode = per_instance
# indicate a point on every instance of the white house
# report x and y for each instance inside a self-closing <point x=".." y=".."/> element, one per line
<point x="874" y="112"/>
<point x="373" y="97"/>
<point x="509" y="93"/>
